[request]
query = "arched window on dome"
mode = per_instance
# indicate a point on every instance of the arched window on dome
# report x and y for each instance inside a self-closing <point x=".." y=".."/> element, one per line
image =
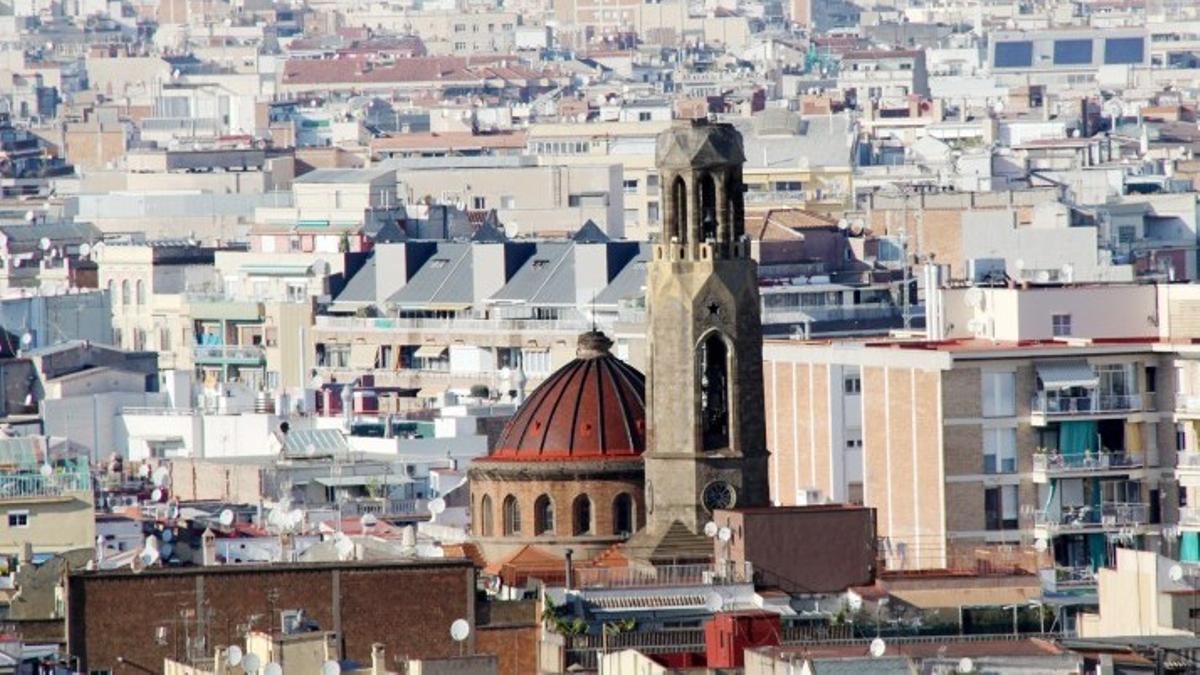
<point x="581" y="515"/>
<point x="543" y="515"/>
<point x="512" y="516"/>
<point x="485" y="516"/>
<point x="623" y="514"/>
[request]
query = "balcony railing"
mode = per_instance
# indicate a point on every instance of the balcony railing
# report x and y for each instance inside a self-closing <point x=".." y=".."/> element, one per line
<point x="571" y="326"/>
<point x="19" y="485"/>
<point x="1112" y="514"/>
<point x="1189" y="516"/>
<point x="1096" y="404"/>
<point x="1187" y="403"/>
<point x="1189" y="459"/>
<point x="1091" y="461"/>
<point x="227" y="353"/>
<point x="663" y="575"/>
<point x="1080" y="576"/>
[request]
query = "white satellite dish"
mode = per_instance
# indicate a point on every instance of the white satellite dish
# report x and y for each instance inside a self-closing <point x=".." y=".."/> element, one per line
<point x="156" y="495"/>
<point x="714" y="603"/>
<point x="26" y="339"/>
<point x="1040" y="544"/>
<point x="251" y="663"/>
<point x="295" y="518"/>
<point x="161" y="476"/>
<point x="233" y="657"/>
<point x="273" y="669"/>
<point x="460" y="629"/>
<point x="29" y="216"/>
<point x="724" y="534"/>
<point x="368" y="520"/>
<point x="276" y="519"/>
<point x="966" y="665"/>
<point x="710" y="529"/>
<point x="331" y="668"/>
<point x="226" y="518"/>
<point x="149" y="557"/>
<point x="44" y="242"/>
<point x="344" y="547"/>
<point x="1176" y="572"/>
<point x="878" y="647"/>
<point x="47" y="470"/>
<point x="854" y="602"/>
<point x="437" y="506"/>
<point x="85" y="250"/>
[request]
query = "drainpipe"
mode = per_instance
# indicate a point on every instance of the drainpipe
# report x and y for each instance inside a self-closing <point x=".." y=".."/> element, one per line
<point x="567" y="554"/>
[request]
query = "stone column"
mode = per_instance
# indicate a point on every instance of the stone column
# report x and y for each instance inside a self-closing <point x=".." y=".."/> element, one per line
<point x="724" y="231"/>
<point x="670" y="228"/>
<point x="695" y="209"/>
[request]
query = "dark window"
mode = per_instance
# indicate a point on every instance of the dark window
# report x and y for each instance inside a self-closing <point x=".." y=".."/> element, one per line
<point x="1151" y="379"/>
<point x="623" y="514"/>
<point x="714" y="393"/>
<point x="1072" y="52"/>
<point x="1124" y="50"/>
<point x="485" y="516"/>
<point x="1014" y="54"/>
<point x="543" y="515"/>
<point x="581" y="516"/>
<point x="512" y="516"/>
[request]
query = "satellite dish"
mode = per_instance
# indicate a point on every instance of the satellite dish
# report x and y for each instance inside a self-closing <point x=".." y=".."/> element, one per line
<point x="1176" y="572"/>
<point x="273" y="669"/>
<point x="167" y="536"/>
<point x="724" y="534"/>
<point x="85" y="250"/>
<point x="437" y="506"/>
<point x="44" y="242"/>
<point x="233" y="657"/>
<point x="710" y="529"/>
<point x="460" y="629"/>
<point x="149" y="557"/>
<point x="251" y="663"/>
<point x="368" y="520"/>
<point x="26" y="339"/>
<point x="161" y="476"/>
<point x="966" y="665"/>
<point x="29" y="216"/>
<point x="295" y="518"/>
<point x="47" y="471"/>
<point x="714" y="603"/>
<point x="1040" y="545"/>
<point x="166" y="550"/>
<point x="226" y="518"/>
<point x="878" y="647"/>
<point x="854" y="601"/>
<point x="276" y="519"/>
<point x="344" y="547"/>
<point x="331" y="668"/>
<point x="156" y="495"/>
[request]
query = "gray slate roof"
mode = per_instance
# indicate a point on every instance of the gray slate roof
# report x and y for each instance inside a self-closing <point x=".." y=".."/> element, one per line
<point x="361" y="287"/>
<point x="447" y="277"/>
<point x="630" y="282"/>
<point x="546" y="278"/>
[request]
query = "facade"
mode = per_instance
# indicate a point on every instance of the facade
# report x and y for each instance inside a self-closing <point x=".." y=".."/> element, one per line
<point x="47" y="502"/>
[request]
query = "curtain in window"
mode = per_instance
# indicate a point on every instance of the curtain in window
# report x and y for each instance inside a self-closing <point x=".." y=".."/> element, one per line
<point x="1189" y="547"/>
<point x="1077" y="438"/>
<point x="1098" y="550"/>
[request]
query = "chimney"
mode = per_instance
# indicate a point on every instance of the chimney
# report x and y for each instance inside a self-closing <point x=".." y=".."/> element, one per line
<point x="208" y="548"/>
<point x="378" y="659"/>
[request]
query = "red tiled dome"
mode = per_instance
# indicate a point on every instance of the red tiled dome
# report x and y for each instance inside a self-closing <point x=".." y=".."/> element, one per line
<point x="593" y="408"/>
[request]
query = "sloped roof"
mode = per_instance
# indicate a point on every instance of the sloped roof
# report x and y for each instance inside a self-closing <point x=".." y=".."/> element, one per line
<point x="361" y="287"/>
<point x="546" y="278"/>
<point x="446" y="278"/>
<point x="590" y="233"/>
<point x="630" y="282"/>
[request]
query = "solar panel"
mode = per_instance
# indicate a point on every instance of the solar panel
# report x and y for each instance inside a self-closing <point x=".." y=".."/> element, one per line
<point x="1124" y="50"/>
<point x="1072" y="52"/>
<point x="1014" y="54"/>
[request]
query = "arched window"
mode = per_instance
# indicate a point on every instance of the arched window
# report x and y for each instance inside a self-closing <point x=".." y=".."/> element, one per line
<point x="112" y="292"/>
<point x="125" y="292"/>
<point x="708" y="208"/>
<point x="714" y="393"/>
<point x="485" y="516"/>
<point x="581" y="515"/>
<point x="512" y="516"/>
<point x="679" y="214"/>
<point x="623" y="514"/>
<point x="141" y="292"/>
<point x="543" y="515"/>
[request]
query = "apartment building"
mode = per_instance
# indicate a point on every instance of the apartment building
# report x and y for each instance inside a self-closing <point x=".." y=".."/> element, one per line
<point x="884" y="75"/>
<point x="47" y="498"/>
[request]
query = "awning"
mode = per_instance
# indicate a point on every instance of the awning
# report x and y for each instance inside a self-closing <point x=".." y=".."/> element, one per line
<point x="1067" y="374"/>
<point x="430" y="351"/>
<point x="363" y="356"/>
<point x="940" y="598"/>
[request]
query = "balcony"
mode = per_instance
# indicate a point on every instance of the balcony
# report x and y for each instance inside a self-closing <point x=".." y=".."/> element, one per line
<point x="1047" y="465"/>
<point x="1189" y="518"/>
<point x="590" y="578"/>
<point x="244" y="355"/>
<point x="1084" y="519"/>
<point x="26" y="485"/>
<point x="1045" y="407"/>
<point x="467" y="325"/>
<point x="1187" y="405"/>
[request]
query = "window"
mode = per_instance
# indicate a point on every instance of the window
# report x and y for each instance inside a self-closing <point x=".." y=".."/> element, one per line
<point x="1119" y="51"/>
<point x="535" y="361"/>
<point x="1151" y="379"/>
<point x="1072" y="52"/>
<point x="999" y="394"/>
<point x="141" y="292"/>
<point x="112" y="291"/>
<point x="18" y="518"/>
<point x="460" y="46"/>
<point x="1180" y="438"/>
<point x="630" y="185"/>
<point x="543" y="515"/>
<point x="460" y="28"/>
<point x="1000" y="507"/>
<point x="854" y="492"/>
<point x="1000" y="450"/>
<point x="788" y="186"/>
<point x="1014" y="54"/>
<point x="164" y="338"/>
<point x="125" y="295"/>
<point x="485" y="516"/>
<point x="296" y="291"/>
<point x="581" y="516"/>
<point x="479" y="203"/>
<point x="512" y="516"/>
<point x="574" y="201"/>
<point x="508" y="202"/>
<point x="852" y="384"/>
<point x="1060" y="325"/>
<point x="623" y="515"/>
<point x="1126" y="234"/>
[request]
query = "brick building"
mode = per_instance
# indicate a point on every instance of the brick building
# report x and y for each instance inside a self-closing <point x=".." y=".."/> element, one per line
<point x="141" y="619"/>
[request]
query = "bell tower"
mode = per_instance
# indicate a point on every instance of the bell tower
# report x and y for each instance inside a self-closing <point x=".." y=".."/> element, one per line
<point x="706" y="443"/>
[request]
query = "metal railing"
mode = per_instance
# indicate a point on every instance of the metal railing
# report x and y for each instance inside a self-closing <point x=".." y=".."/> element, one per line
<point x="1112" y="514"/>
<point x="17" y="485"/>
<point x="158" y="411"/>
<point x="228" y="352"/>
<point x="1051" y="462"/>
<point x="571" y="326"/>
<point x="834" y="313"/>
<point x="380" y="506"/>
<point x="664" y="575"/>
<point x="1189" y="516"/>
<point x="1074" y="576"/>
<point x="1087" y="405"/>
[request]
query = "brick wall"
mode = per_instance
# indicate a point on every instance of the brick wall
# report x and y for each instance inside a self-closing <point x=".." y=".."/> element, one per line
<point x="407" y="606"/>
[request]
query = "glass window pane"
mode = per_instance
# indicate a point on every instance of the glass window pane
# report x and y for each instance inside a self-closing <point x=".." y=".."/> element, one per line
<point x="1124" y="50"/>
<point x="1014" y="54"/>
<point x="1072" y="52"/>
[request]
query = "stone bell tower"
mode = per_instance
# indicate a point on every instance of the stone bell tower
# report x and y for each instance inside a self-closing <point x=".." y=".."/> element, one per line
<point x="706" y="443"/>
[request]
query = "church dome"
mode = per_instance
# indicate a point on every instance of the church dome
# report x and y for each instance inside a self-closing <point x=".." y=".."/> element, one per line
<point x="593" y="408"/>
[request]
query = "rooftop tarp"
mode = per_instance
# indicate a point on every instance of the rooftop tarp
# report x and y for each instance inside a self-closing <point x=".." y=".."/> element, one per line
<point x="1066" y="374"/>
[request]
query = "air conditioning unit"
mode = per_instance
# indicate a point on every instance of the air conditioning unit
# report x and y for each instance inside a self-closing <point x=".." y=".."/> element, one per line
<point x="808" y="497"/>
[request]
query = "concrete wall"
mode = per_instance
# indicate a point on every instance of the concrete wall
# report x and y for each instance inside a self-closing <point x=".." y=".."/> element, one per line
<point x="55" y="524"/>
